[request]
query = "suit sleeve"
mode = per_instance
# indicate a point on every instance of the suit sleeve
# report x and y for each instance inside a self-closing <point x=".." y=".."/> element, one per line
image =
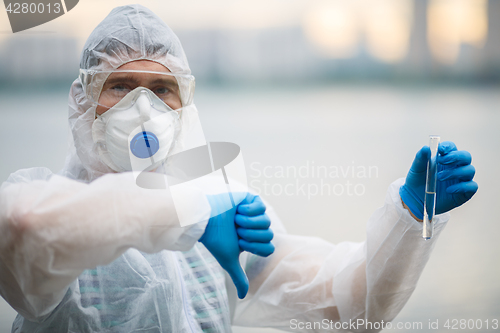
<point x="308" y="279"/>
<point x="53" y="229"/>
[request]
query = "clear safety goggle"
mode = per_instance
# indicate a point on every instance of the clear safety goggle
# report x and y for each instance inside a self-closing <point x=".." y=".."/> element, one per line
<point x="107" y="88"/>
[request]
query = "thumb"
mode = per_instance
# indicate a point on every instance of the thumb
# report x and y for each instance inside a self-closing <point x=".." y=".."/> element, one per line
<point x="239" y="278"/>
<point x="421" y="158"/>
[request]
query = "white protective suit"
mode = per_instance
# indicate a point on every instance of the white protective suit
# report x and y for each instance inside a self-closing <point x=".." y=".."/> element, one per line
<point x="89" y="251"/>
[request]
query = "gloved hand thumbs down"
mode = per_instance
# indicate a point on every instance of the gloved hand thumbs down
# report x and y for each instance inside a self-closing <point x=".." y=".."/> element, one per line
<point x="221" y="239"/>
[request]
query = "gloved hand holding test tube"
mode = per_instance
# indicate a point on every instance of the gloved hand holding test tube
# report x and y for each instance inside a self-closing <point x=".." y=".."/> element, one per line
<point x="439" y="180"/>
<point x="430" y="188"/>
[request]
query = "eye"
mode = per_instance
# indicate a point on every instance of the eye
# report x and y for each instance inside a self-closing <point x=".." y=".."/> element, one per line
<point x="161" y="91"/>
<point x="119" y="88"/>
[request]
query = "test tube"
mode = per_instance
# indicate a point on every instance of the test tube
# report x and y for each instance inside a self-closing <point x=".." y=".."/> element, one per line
<point x="430" y="188"/>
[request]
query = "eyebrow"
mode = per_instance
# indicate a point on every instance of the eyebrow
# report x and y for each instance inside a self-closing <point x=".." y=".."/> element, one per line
<point x="167" y="82"/>
<point x="131" y="79"/>
<point x="121" y="78"/>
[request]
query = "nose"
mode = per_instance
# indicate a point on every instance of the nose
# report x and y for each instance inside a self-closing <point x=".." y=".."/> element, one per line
<point x="144" y="105"/>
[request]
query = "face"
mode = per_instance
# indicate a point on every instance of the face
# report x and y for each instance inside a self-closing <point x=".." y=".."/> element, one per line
<point x="119" y="84"/>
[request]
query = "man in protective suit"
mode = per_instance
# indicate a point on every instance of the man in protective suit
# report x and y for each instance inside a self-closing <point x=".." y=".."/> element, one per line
<point x="87" y="250"/>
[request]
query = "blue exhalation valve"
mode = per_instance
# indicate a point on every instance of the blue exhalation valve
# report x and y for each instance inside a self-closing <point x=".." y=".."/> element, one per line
<point x="144" y="145"/>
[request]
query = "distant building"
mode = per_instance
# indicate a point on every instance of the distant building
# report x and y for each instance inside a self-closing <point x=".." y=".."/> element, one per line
<point x="275" y="54"/>
<point x="39" y="58"/>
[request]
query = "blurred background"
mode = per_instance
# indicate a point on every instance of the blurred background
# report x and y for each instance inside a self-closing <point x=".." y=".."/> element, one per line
<point x="342" y="85"/>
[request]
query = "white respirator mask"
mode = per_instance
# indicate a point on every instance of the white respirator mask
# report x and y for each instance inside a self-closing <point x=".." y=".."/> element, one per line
<point x="137" y="133"/>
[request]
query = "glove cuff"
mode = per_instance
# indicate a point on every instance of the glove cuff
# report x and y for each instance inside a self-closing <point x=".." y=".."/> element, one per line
<point x="412" y="201"/>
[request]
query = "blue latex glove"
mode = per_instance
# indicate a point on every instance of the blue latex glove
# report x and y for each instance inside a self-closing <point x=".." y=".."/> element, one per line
<point x="226" y="241"/>
<point x="454" y="179"/>
<point x="253" y="226"/>
<point x="221" y="240"/>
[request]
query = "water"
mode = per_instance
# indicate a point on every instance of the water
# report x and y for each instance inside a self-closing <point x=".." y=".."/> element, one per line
<point x="429" y="202"/>
<point x="346" y="129"/>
